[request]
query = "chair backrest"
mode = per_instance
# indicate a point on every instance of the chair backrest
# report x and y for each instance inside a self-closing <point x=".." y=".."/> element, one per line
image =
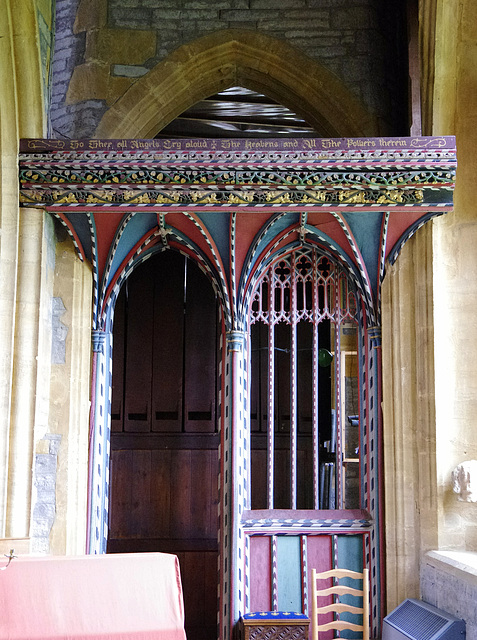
<point x="337" y="607"/>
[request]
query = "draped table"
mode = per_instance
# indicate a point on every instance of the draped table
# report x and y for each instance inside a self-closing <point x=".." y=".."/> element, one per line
<point x="102" y="597"/>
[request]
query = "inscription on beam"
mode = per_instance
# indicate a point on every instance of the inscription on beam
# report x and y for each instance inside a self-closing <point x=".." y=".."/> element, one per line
<point x="242" y="144"/>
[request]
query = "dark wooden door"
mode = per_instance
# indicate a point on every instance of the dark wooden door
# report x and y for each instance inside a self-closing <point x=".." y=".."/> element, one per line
<point x="164" y="441"/>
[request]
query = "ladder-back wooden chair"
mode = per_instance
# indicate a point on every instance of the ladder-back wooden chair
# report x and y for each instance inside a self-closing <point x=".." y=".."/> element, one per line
<point x="336" y="608"/>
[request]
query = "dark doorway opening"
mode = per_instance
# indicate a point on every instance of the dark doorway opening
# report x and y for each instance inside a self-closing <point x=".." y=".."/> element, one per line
<point x="164" y="439"/>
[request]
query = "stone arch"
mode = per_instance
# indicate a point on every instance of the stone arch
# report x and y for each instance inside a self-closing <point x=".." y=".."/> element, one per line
<point x="229" y="58"/>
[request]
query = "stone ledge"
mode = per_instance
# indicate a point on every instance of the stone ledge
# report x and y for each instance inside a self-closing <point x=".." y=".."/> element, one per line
<point x="462" y="564"/>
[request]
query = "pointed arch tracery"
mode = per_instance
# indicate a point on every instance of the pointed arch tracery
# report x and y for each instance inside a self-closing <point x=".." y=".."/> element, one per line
<point x="150" y="244"/>
<point x="291" y="238"/>
<point x="304" y="285"/>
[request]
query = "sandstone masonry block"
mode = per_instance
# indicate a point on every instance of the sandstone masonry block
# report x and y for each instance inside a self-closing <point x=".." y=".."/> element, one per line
<point x="92" y="14"/>
<point x="120" y="46"/>
<point x="42" y="447"/>
<point x="88" y="80"/>
<point x="93" y="81"/>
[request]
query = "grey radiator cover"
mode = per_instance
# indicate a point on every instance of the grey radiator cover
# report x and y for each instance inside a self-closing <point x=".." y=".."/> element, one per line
<point x="418" y="620"/>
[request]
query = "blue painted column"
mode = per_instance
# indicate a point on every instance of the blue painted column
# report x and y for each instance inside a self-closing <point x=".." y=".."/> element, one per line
<point x="99" y="443"/>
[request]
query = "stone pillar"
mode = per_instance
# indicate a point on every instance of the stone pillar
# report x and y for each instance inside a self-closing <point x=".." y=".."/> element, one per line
<point x="24" y="374"/>
<point x="409" y="416"/>
<point x="8" y="260"/>
<point x="455" y="270"/>
<point x="21" y="106"/>
<point x="69" y="396"/>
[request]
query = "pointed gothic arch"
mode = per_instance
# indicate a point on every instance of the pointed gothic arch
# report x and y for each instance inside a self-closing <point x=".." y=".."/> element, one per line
<point x="288" y="291"/>
<point x="228" y="58"/>
<point x="151" y="244"/>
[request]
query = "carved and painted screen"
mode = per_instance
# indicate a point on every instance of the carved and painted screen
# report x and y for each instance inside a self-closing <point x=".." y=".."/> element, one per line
<point x="304" y="392"/>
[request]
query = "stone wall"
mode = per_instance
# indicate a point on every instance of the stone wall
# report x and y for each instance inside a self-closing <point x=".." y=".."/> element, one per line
<point x="69" y="120"/>
<point x="106" y="45"/>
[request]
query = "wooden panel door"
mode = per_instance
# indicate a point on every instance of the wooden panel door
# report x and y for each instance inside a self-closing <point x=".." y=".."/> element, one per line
<point x="164" y="445"/>
<point x="168" y="339"/>
<point x="138" y="360"/>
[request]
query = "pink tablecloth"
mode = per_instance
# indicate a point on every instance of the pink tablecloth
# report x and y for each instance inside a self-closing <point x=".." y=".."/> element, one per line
<point x="133" y="596"/>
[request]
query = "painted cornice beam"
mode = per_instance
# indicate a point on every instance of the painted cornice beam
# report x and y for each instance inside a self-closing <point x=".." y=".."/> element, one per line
<point x="308" y="173"/>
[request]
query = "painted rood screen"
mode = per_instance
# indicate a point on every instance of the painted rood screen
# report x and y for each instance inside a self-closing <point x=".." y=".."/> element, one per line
<point x="308" y="173"/>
